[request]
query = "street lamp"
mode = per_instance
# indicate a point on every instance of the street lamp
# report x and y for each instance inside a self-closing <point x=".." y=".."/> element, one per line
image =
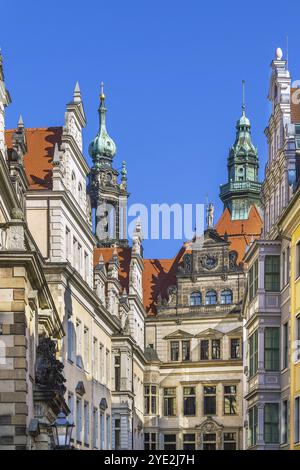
<point x="62" y="431"/>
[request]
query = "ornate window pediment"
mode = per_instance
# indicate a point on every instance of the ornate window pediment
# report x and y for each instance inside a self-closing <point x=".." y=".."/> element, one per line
<point x="236" y="332"/>
<point x="209" y="333"/>
<point x="179" y="334"/>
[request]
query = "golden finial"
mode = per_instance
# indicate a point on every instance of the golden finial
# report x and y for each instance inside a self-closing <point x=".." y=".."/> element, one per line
<point x="102" y="95"/>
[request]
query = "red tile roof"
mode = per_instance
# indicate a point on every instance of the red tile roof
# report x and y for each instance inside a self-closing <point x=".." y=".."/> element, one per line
<point x="124" y="255"/>
<point x="38" y="159"/>
<point x="240" y="232"/>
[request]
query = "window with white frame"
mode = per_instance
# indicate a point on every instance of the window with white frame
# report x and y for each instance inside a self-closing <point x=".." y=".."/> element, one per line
<point x="78" y="343"/>
<point x="101" y="363"/>
<point x="102" y="431"/>
<point x="86" y="423"/>
<point x="108" y="443"/>
<point x="78" y="419"/>
<point x="95" y="428"/>
<point x="71" y="338"/>
<point x="86" y="349"/>
<point x="95" y="354"/>
<point x="230" y="400"/>
<point x="150" y="401"/>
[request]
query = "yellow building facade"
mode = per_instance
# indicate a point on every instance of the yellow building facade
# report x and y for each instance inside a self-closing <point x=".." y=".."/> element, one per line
<point x="290" y="230"/>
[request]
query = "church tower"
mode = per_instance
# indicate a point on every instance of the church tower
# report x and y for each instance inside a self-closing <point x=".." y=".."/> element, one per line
<point x="108" y="194"/>
<point x="242" y="189"/>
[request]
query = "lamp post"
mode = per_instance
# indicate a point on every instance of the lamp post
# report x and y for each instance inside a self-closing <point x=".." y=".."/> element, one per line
<point x="62" y="432"/>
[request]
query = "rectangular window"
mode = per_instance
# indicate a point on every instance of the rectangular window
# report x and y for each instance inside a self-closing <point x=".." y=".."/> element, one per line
<point x="79" y="254"/>
<point x="107" y="367"/>
<point x="78" y="420"/>
<point x="71" y="338"/>
<point x="117" y="434"/>
<point x="67" y="243"/>
<point x="297" y="420"/>
<point x="272" y="349"/>
<point x="117" y="373"/>
<point x="86" y="424"/>
<point x="283" y="268"/>
<point x="86" y="266"/>
<point x="170" y="442"/>
<point x="189" y="401"/>
<point x="285" y="345"/>
<point x="78" y="343"/>
<point x="189" y="442"/>
<point x="174" y="350"/>
<point x="186" y="350"/>
<point x="204" y="350"/>
<point x="216" y="349"/>
<point x="210" y="400"/>
<point x="253" y="353"/>
<point x="209" y="441"/>
<point x="271" y="423"/>
<point x="150" y="399"/>
<point x="230" y="400"/>
<point x="150" y="440"/>
<point x="272" y="273"/>
<point x="284" y="422"/>
<point x="95" y="428"/>
<point x="101" y="363"/>
<point x="235" y="348"/>
<point x="253" y="280"/>
<point x="108" y="432"/>
<point x="95" y="359"/>
<point x="229" y="440"/>
<point x="253" y="425"/>
<point x="102" y="431"/>
<point x="71" y="405"/>
<point x="86" y="348"/>
<point x="170" y="401"/>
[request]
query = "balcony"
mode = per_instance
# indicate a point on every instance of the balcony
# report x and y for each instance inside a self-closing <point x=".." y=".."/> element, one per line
<point x="237" y="186"/>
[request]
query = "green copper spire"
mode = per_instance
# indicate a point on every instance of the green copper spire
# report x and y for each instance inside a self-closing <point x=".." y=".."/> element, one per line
<point x="242" y="189"/>
<point x="102" y="149"/>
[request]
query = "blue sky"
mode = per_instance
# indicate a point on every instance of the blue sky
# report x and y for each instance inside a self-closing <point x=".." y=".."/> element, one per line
<point x="172" y="72"/>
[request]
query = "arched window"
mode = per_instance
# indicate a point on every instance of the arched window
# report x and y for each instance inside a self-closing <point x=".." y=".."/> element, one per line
<point x="226" y="297"/>
<point x="195" y="299"/>
<point x="211" y="297"/>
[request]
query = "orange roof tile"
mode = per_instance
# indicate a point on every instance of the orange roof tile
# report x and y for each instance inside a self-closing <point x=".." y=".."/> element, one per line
<point x="38" y="159"/>
<point x="124" y="255"/>
<point x="240" y="232"/>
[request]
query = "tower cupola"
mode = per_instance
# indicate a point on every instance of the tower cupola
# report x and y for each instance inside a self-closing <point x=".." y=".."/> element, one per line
<point x="102" y="149"/>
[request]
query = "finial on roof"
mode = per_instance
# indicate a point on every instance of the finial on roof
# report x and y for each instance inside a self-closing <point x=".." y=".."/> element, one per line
<point x="77" y="94"/>
<point x="243" y="97"/>
<point x="101" y="259"/>
<point x="102" y="95"/>
<point x="278" y="53"/>
<point x="20" y="121"/>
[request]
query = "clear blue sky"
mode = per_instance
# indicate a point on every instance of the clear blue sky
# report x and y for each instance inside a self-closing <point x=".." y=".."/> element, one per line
<point x="172" y="73"/>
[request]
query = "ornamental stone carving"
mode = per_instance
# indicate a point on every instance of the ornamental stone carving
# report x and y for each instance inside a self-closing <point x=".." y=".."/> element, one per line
<point x="48" y="374"/>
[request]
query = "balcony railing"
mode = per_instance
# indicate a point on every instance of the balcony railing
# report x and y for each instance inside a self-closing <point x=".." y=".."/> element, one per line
<point x="239" y="186"/>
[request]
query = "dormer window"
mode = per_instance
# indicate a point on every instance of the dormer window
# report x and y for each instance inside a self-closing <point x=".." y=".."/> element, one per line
<point x="195" y="299"/>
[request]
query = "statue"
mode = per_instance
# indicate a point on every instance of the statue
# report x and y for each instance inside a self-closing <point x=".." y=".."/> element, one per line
<point x="48" y="374"/>
<point x="210" y="215"/>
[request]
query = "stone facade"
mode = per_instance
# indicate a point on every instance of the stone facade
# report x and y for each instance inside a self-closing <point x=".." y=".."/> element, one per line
<point x="194" y="349"/>
<point x="267" y="305"/>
